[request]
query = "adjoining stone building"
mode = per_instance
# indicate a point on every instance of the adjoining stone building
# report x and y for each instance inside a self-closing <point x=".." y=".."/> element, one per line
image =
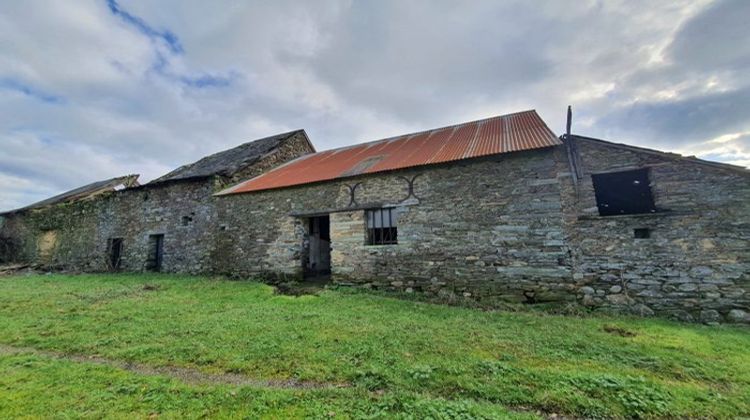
<point x="168" y="224"/>
<point x="496" y="209"/>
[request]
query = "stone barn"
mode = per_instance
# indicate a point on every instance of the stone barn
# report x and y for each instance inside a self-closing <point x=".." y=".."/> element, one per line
<point x="168" y="224"/>
<point x="499" y="209"/>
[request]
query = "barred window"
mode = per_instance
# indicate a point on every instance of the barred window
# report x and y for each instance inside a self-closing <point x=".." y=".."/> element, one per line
<point x="381" y="226"/>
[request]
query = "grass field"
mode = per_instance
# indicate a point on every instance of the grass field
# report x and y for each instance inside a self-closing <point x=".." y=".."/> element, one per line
<point x="180" y="346"/>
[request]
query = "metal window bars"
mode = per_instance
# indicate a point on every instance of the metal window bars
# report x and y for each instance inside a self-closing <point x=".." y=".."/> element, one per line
<point x="381" y="227"/>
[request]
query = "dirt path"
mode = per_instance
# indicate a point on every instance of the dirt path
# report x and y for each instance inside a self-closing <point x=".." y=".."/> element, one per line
<point x="187" y="375"/>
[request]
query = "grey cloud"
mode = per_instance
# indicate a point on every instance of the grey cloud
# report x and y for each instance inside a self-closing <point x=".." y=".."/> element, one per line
<point x="679" y="122"/>
<point x="716" y="38"/>
<point x="395" y="59"/>
<point x="347" y="72"/>
<point x="712" y="47"/>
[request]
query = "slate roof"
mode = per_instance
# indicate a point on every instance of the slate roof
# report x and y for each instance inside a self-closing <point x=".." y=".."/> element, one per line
<point x="84" y="192"/>
<point x="501" y="134"/>
<point x="228" y="162"/>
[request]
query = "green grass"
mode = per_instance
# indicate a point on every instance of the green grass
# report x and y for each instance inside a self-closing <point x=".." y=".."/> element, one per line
<point x="400" y="358"/>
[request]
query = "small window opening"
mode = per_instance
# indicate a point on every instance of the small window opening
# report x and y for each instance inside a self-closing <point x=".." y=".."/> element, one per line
<point x="381" y="226"/>
<point x="642" y="233"/>
<point x="156" y="252"/>
<point x="627" y="192"/>
<point x="115" y="253"/>
<point x="186" y="220"/>
<point x="145" y="196"/>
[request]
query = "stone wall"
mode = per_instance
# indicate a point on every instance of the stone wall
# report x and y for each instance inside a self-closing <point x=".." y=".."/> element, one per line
<point x="487" y="228"/>
<point x="183" y="212"/>
<point x="512" y="227"/>
<point x="292" y="148"/>
<point x="75" y="236"/>
<point x="58" y="237"/>
<point x="696" y="263"/>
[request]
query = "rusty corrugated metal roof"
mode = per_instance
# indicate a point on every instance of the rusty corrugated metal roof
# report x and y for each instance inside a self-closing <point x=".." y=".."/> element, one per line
<point x="502" y="134"/>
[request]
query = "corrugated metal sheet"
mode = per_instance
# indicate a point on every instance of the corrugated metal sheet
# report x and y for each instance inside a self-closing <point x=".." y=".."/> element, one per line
<point x="502" y="134"/>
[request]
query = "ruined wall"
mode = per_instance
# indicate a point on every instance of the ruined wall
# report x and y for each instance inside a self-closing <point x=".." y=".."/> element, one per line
<point x="75" y="236"/>
<point x="487" y="228"/>
<point x="58" y="237"/>
<point x="183" y="212"/>
<point x="293" y="147"/>
<point x="696" y="264"/>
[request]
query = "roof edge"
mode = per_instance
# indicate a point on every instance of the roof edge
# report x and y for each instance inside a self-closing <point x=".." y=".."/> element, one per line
<point x="230" y="190"/>
<point x="416" y="133"/>
<point x="82" y="193"/>
<point x="668" y="155"/>
<point x="174" y="174"/>
<point x="307" y="139"/>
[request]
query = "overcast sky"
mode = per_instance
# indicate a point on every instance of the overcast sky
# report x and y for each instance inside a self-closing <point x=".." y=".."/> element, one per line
<point x="95" y="89"/>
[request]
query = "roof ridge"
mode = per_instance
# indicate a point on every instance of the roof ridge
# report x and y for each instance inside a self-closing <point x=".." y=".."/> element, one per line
<point x="180" y="172"/>
<point x="454" y="126"/>
<point x="671" y="155"/>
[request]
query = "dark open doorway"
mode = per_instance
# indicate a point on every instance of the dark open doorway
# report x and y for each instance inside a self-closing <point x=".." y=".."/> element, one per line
<point x="318" y="261"/>
<point x="115" y="253"/>
<point x="156" y="252"/>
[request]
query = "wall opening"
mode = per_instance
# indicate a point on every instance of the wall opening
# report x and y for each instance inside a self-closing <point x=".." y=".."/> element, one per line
<point x="155" y="253"/>
<point x="318" y="259"/>
<point x="627" y="192"/>
<point x="46" y="245"/>
<point x="641" y="233"/>
<point x="8" y="249"/>
<point x="114" y="253"/>
<point x="381" y="226"/>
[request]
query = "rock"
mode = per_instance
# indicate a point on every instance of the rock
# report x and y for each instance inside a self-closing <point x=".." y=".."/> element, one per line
<point x="641" y="310"/>
<point x="683" y="316"/>
<point x="738" y="316"/>
<point x="734" y="293"/>
<point x="615" y="289"/>
<point x="687" y="287"/>
<point x="669" y="288"/>
<point x="588" y="300"/>
<point x="701" y="271"/>
<point x="586" y="290"/>
<point x="710" y="316"/>
<point x="619" y="299"/>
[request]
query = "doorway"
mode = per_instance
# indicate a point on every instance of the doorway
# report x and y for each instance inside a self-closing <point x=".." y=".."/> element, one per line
<point x="318" y="261"/>
<point x="115" y="253"/>
<point x="156" y="252"/>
